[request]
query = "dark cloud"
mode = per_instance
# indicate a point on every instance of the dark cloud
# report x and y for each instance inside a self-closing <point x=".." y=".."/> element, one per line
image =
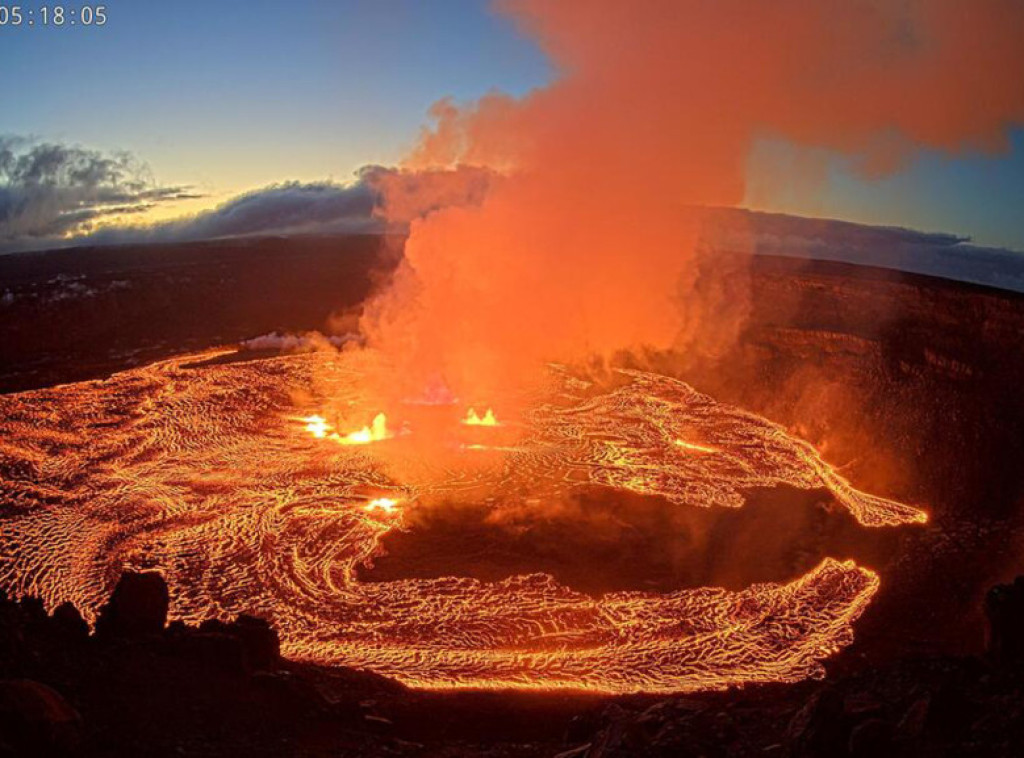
<point x="57" y="194"/>
<point x="49" y="191"/>
<point x="320" y="207"/>
<point x="292" y="207"/>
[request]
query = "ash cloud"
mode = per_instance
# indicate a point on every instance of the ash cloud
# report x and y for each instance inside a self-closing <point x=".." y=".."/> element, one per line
<point x="49" y="191"/>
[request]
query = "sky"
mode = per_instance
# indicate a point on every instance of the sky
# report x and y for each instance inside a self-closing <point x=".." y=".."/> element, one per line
<point x="233" y="95"/>
<point x="230" y="96"/>
<point x="973" y="194"/>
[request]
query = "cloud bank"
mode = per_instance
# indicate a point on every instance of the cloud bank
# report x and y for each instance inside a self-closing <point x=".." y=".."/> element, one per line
<point x="58" y="196"/>
<point x="49" y="191"/>
<point x="290" y="207"/>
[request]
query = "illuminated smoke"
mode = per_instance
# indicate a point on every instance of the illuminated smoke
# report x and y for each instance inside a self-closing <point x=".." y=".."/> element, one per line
<point x="584" y="242"/>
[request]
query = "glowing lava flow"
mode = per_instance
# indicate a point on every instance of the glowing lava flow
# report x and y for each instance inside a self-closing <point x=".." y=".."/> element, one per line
<point x="694" y="447"/>
<point x="201" y="472"/>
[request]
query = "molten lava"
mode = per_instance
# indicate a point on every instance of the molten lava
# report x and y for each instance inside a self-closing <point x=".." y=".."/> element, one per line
<point x="316" y="425"/>
<point x="488" y="419"/>
<point x="199" y="471"/>
<point x="319" y="427"/>
<point x="693" y="447"/>
<point x="384" y="504"/>
<point x="376" y="432"/>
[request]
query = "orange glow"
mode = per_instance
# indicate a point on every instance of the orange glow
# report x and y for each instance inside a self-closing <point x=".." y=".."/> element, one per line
<point x="385" y="504"/>
<point x="316" y="425"/>
<point x="320" y="428"/>
<point x="488" y="419"/>
<point x="376" y="432"/>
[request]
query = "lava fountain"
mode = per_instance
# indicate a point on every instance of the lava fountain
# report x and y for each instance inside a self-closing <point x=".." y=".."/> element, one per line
<point x="319" y="427"/>
<point x="473" y="419"/>
<point x="199" y="470"/>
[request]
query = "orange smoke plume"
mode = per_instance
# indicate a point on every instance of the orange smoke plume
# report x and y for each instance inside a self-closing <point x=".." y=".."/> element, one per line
<point x="584" y="240"/>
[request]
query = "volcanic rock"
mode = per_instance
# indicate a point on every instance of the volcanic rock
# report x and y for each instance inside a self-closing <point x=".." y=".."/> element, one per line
<point x="819" y="729"/>
<point x="288" y="694"/>
<point x="576" y="752"/>
<point x="1004" y="610"/>
<point x="137" y="607"/>
<point x="622" y="737"/>
<point x="582" y="726"/>
<point x="872" y="739"/>
<point x="214" y="650"/>
<point x="70" y="623"/>
<point x="36" y="719"/>
<point x="914" y="721"/>
<point x="259" y="641"/>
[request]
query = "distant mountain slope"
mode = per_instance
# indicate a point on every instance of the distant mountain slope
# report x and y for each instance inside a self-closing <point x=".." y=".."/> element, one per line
<point x="933" y="254"/>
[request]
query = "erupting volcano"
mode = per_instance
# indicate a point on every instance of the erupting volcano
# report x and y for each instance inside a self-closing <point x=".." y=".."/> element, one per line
<point x="196" y="467"/>
<point x="622" y="369"/>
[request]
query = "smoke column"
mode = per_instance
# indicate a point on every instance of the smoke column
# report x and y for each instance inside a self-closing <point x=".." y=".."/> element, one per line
<point x="585" y="239"/>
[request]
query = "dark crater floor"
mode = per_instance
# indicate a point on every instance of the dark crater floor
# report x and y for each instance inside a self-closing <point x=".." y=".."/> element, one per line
<point x="610" y="541"/>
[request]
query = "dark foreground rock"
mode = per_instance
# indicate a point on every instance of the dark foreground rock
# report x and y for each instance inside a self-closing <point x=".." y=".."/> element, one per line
<point x="1004" y="611"/>
<point x="37" y="720"/>
<point x="933" y="707"/>
<point x="137" y="607"/>
<point x="222" y="689"/>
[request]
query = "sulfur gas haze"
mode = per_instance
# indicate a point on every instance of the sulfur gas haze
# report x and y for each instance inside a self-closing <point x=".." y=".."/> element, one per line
<point x="586" y="237"/>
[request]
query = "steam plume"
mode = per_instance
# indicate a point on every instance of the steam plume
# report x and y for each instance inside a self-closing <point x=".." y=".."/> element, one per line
<point x="584" y="243"/>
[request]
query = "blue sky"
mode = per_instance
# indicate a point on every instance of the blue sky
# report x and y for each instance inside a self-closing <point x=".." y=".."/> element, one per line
<point x="971" y="194"/>
<point x="233" y="95"/>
